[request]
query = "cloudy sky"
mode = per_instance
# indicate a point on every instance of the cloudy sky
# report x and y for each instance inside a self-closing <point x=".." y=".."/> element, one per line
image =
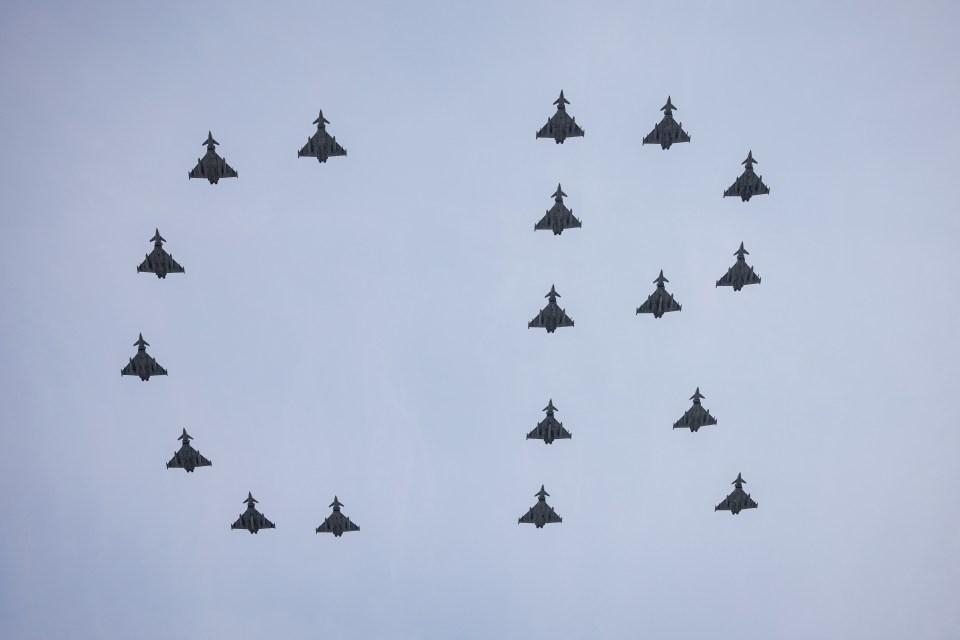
<point x="359" y="327"/>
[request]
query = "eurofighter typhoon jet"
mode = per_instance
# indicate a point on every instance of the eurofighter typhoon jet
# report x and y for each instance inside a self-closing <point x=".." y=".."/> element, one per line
<point x="211" y="166"/>
<point x="159" y="261"/>
<point x="549" y="429"/>
<point x="749" y="183"/>
<point x="337" y="523"/>
<point x="561" y="125"/>
<point x="321" y="145"/>
<point x="668" y="130"/>
<point x="740" y="274"/>
<point x="540" y="513"/>
<point x="558" y="217"/>
<point x="551" y="316"/>
<point x="142" y="364"/>
<point x="738" y="500"/>
<point x="251" y="519"/>
<point x="187" y="457"/>
<point x="696" y="416"/>
<point x="659" y="302"/>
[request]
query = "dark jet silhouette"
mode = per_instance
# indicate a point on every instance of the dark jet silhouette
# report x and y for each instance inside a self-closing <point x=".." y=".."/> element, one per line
<point x="549" y="429"/>
<point x="187" y="458"/>
<point x="558" y="217"/>
<point x="321" y="145"/>
<point x="696" y="416"/>
<point x="159" y="261"/>
<point x="540" y="513"/>
<point x="211" y="166"/>
<point x="551" y="316"/>
<point x="740" y="274"/>
<point x="659" y="302"/>
<point x="668" y="130"/>
<point x="738" y="500"/>
<point x="561" y="126"/>
<point x="142" y="364"/>
<point x="749" y="183"/>
<point x="251" y="519"/>
<point x="337" y="523"/>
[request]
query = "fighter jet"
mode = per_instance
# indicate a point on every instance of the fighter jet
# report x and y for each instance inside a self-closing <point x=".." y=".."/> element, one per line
<point x="558" y="217"/>
<point x="668" y="130"/>
<point x="142" y="364"/>
<point x="540" y="513"/>
<point x="738" y="500"/>
<point x="337" y="523"/>
<point x="159" y="261"/>
<point x="251" y="519"/>
<point x="551" y="316"/>
<point x="696" y="416"/>
<point x="321" y="145"/>
<point x="749" y="183"/>
<point x="549" y="429"/>
<point x="211" y="166"/>
<point x="659" y="302"/>
<point x="740" y="274"/>
<point x="561" y="126"/>
<point x="187" y="458"/>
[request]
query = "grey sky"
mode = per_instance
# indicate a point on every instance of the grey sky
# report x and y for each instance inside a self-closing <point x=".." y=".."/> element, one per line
<point x="359" y="327"/>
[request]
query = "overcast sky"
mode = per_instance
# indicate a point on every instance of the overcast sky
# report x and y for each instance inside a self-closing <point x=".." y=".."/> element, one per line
<point x="359" y="327"/>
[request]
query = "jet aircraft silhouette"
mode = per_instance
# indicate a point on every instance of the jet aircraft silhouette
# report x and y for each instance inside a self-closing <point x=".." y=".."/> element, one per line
<point x="187" y="457"/>
<point x="696" y="416"/>
<point x="561" y="125"/>
<point x="540" y="513"/>
<point x="321" y="145"/>
<point x="159" y="261"/>
<point x="549" y="429"/>
<point x="251" y="519"/>
<point x="667" y="130"/>
<point x="738" y="499"/>
<point x="337" y="523"/>
<point x="659" y="302"/>
<point x="551" y="316"/>
<point x="558" y="217"/>
<point x="211" y="166"/>
<point x="749" y="183"/>
<point x="740" y="274"/>
<point x="142" y="364"/>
